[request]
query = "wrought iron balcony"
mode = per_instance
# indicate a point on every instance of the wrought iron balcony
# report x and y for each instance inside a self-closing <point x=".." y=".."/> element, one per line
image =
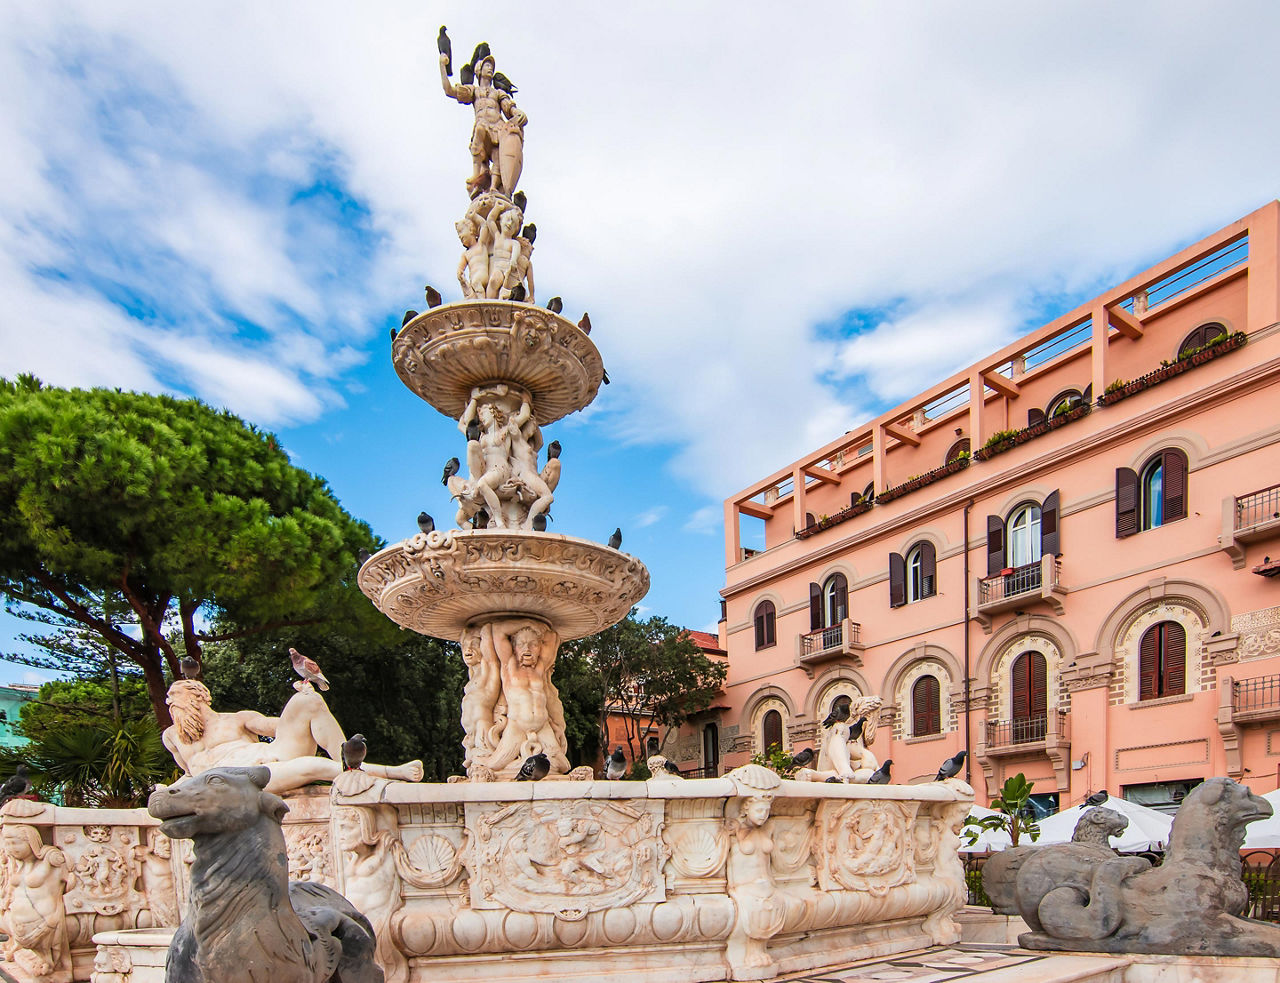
<point x="1019" y="587"/>
<point x="710" y="772"/>
<point x="841" y="639"/>
<point x="1023" y="734"/>
<point x="1248" y="519"/>
<point x="1255" y="699"/>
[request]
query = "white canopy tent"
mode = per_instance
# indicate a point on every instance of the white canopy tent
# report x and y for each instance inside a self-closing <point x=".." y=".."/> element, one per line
<point x="989" y="840"/>
<point x="1264" y="834"/>
<point x="1148" y="828"/>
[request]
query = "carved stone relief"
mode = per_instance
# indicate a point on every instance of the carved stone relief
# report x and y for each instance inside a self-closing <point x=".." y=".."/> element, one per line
<point x="104" y="862"/>
<point x="866" y="846"/>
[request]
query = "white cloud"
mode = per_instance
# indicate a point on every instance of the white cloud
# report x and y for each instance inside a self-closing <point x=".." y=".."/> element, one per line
<point x="650" y="517"/>
<point x="705" y="521"/>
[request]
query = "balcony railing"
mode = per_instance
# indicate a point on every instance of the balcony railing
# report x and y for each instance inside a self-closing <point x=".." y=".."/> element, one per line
<point x="1256" y="696"/>
<point x="1257" y="508"/>
<point x="1022" y="731"/>
<point x="826" y="640"/>
<point x="712" y="771"/>
<point x="1017" y="581"/>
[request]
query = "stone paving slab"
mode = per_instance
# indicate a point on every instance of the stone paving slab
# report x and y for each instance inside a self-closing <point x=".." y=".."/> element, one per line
<point x="972" y="964"/>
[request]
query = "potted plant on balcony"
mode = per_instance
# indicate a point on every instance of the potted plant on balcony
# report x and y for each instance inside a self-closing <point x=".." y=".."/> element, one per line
<point x="1185" y="362"/>
<point x="917" y="481"/>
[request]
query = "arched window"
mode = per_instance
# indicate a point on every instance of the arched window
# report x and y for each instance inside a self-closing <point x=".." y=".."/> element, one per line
<point x="1065" y="403"/>
<point x="1153" y="496"/>
<point x="1162" y="661"/>
<point x="766" y="625"/>
<point x="809" y="520"/>
<point x="1023" y="535"/>
<point x="1029" y="694"/>
<point x="921" y="572"/>
<point x="711" y="750"/>
<point x="828" y="603"/>
<point x="1201" y="336"/>
<point x="869" y="491"/>
<point x="961" y="446"/>
<point x="771" y="731"/>
<point x="926" y="708"/>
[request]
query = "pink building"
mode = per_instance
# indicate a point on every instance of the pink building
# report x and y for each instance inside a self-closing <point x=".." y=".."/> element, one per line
<point x="1088" y="598"/>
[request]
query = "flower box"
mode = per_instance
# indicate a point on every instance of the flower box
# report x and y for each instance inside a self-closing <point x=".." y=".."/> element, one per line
<point x="928" y="478"/>
<point x="834" y="520"/>
<point x="1033" y="431"/>
<point x="1184" y="364"/>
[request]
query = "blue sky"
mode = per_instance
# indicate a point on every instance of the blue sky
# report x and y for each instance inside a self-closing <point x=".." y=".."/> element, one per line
<point x="780" y="222"/>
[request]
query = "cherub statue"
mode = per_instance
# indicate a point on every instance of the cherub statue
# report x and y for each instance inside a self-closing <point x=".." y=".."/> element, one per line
<point x="473" y="268"/>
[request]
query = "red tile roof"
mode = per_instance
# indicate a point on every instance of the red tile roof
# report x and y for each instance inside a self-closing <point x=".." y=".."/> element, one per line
<point x="705" y="640"/>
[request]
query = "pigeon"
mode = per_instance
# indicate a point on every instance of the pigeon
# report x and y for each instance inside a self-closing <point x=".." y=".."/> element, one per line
<point x="615" y="541"/>
<point x="555" y="305"/>
<point x="615" y="765"/>
<point x="468" y="75"/>
<point x="364" y="555"/>
<point x="1097" y="798"/>
<point x="803" y="759"/>
<point x="394" y="332"/>
<point x="480" y="520"/>
<point x="856" y="730"/>
<point x="426" y="523"/>
<point x="670" y="767"/>
<point x="951" y="767"/>
<point x="353" y="752"/>
<point x="833" y="780"/>
<point x="517" y="293"/>
<point x="446" y="49"/>
<point x="838" y="714"/>
<point x="534" y="769"/>
<point x="18" y="784"/>
<point x="540" y="522"/>
<point x="482" y="51"/>
<point x="473" y="430"/>
<point x="604" y="377"/>
<point x="881" y="775"/>
<point x="585" y="323"/>
<point x="308" y="670"/>
<point x="450" y="469"/>
<point x="553" y="450"/>
<point x="408" y="316"/>
<point x="529" y="232"/>
<point x="500" y="81"/>
<point x="189" y="667"/>
<point x="520" y="199"/>
<point x="434" y="299"/>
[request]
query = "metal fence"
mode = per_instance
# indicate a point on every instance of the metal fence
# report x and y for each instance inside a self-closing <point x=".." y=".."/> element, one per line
<point x="1257" y="507"/>
<point x="829" y="639"/>
<point x="1017" y="581"/>
<point x="1022" y="731"/>
<point x="1260" y="693"/>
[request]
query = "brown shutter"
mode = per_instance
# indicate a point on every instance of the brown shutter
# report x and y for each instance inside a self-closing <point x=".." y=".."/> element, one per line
<point x="1035" y="416"/>
<point x="772" y="730"/>
<point x="815" y="607"/>
<point x="1020" y="690"/>
<point x="995" y="545"/>
<point x="770" y="624"/>
<point x="1174" y="649"/>
<point x="809" y="520"/>
<point x="928" y="569"/>
<point x="840" y="598"/>
<point x="854" y="498"/>
<point x="1087" y="396"/>
<point x="1039" y="685"/>
<point x="1175" y="485"/>
<point x="897" y="580"/>
<point x="1050" y="541"/>
<point x="926" y="714"/>
<point x="760" y="643"/>
<point x="1126" y="502"/>
<point x="1148" y="663"/>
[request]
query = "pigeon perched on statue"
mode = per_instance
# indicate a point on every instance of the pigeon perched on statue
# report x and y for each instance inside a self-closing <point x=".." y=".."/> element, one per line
<point x="881" y="775"/>
<point x="450" y="469"/>
<point x="529" y="232"/>
<point x="308" y="670"/>
<point x="15" y="785"/>
<point x="364" y="556"/>
<point x="540" y="522"/>
<point x="189" y="668"/>
<point x="468" y="75"/>
<point x="517" y="293"/>
<point x="353" y="752"/>
<point x="500" y="81"/>
<point x="833" y="780"/>
<point x="434" y="299"/>
<point x="585" y="323"/>
<point x="615" y="541"/>
<point x="615" y="765"/>
<point x="803" y="759"/>
<point x="394" y="332"/>
<point x="604" y="377"/>
<point x="426" y="523"/>
<point x="534" y="769"/>
<point x="670" y="767"/>
<point x="856" y="730"/>
<point x="839" y="714"/>
<point x="951" y="767"/>
<point x="555" y="305"/>
<point x="446" y="49"/>
<point x="521" y="200"/>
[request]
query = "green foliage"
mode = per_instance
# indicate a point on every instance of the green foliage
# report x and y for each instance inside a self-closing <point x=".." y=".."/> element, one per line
<point x="962" y="456"/>
<point x="639" y="771"/>
<point x="775" y="759"/>
<point x="401" y="690"/>
<point x="581" y="691"/>
<point x="66" y="703"/>
<point x="1182" y="355"/>
<point x="1115" y="387"/>
<point x="137" y="517"/>
<point x="1015" y="815"/>
<point x="977" y="894"/>
<point x="999" y="437"/>
<point x="651" y="674"/>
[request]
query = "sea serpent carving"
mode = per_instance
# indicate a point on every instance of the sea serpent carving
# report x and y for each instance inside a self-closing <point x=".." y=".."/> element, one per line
<point x="1191" y="905"/>
<point x="246" y="921"/>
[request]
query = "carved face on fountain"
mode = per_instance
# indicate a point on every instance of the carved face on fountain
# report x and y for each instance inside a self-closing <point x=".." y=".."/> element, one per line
<point x="350" y="836"/>
<point x="527" y="644"/>
<point x="755" y="811"/>
<point x="510" y="222"/>
<point x="471" y="648"/>
<point x="16" y="841"/>
<point x="466" y="233"/>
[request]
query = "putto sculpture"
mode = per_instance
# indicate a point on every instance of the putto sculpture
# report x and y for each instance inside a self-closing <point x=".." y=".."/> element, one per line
<point x="1074" y="898"/>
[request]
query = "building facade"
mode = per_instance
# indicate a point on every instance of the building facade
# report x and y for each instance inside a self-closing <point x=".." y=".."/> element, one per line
<point x="1059" y="559"/>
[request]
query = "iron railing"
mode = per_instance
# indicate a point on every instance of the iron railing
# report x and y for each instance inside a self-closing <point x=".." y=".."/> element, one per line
<point x="1024" y="730"/>
<point x="1257" y="507"/>
<point x="1015" y="582"/>
<point x="712" y="771"/>
<point x="830" y="639"/>
<point x="1259" y="693"/>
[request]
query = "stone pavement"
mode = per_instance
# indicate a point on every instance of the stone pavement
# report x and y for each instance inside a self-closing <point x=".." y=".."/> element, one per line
<point x="972" y="964"/>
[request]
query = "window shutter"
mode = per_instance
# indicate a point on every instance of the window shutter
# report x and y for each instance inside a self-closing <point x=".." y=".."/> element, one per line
<point x="809" y="520"/>
<point x="1087" y="396"/>
<point x="928" y="569"/>
<point x="1050" y="541"/>
<point x="995" y="545"/>
<point x="897" y="580"/>
<point x="926" y="716"/>
<point x="1174" y="650"/>
<point x="815" y="607"/>
<point x="1175" y="485"/>
<point x="1021" y="688"/>
<point x="854" y="498"/>
<point x="772" y="730"/>
<point x="1147" y="663"/>
<point x="770" y="624"/>
<point x="1126" y="502"/>
<point x="1035" y="416"/>
<point x="760" y="627"/>
<point x="840" y="598"/>
<point x="1039" y="685"/>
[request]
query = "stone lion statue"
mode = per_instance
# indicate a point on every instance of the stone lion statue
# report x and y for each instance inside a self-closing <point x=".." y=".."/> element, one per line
<point x="247" y="921"/>
<point x="1000" y="872"/>
<point x="1190" y="905"/>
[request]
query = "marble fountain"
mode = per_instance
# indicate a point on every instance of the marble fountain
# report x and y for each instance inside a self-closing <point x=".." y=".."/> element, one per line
<point x="484" y="878"/>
